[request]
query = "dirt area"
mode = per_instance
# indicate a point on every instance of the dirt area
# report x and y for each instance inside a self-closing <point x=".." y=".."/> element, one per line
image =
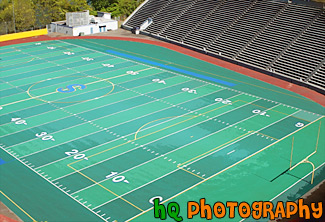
<point x="315" y="195"/>
<point x="4" y="210"/>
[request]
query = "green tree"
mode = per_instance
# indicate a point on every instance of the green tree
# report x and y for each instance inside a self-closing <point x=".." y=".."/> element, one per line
<point x="100" y="5"/>
<point x="123" y="8"/>
<point x="48" y="11"/>
<point x="20" y="13"/>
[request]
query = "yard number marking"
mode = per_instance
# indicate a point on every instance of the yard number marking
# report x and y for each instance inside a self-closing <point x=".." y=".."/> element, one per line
<point x="117" y="179"/>
<point x="87" y="59"/>
<point x="44" y="136"/>
<point x="159" y="81"/>
<point x="223" y="101"/>
<point x="108" y="65"/>
<point x="189" y="90"/>
<point x="18" y="121"/>
<point x="76" y="155"/>
<point x="69" y="53"/>
<point x="132" y="73"/>
<point x="262" y="113"/>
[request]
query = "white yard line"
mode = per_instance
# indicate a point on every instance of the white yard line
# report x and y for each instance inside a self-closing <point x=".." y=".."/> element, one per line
<point x="123" y="123"/>
<point x="140" y="146"/>
<point x="87" y="92"/>
<point x="83" y="102"/>
<point x="227" y="167"/>
<point x="56" y="186"/>
<point x="199" y="80"/>
<point x="70" y="75"/>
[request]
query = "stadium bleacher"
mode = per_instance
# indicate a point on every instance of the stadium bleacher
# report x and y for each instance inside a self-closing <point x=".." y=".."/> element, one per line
<point x="280" y="38"/>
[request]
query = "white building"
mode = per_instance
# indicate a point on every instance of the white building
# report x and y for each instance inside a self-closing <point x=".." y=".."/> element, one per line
<point x="81" y="23"/>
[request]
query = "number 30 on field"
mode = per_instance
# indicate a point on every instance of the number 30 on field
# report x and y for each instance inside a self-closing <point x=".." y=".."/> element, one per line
<point x="44" y="136"/>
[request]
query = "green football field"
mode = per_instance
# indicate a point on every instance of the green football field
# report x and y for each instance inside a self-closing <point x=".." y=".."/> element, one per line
<point x="92" y="130"/>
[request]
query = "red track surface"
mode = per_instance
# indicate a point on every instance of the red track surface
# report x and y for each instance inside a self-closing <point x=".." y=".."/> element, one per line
<point x="6" y="219"/>
<point x="308" y="93"/>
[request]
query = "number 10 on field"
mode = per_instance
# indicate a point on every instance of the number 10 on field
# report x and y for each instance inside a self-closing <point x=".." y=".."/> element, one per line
<point x="117" y="179"/>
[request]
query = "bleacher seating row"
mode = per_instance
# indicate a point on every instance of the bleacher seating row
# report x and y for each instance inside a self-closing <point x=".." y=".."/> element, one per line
<point x="280" y="37"/>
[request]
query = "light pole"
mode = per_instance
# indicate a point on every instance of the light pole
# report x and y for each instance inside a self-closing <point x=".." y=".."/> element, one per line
<point x="13" y="14"/>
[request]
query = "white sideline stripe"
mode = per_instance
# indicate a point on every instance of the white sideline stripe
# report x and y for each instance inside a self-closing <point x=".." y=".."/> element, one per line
<point x="52" y="183"/>
<point x="138" y="147"/>
<point x="102" y="130"/>
<point x="197" y="79"/>
<point x="190" y="163"/>
<point x="217" y="172"/>
<point x="82" y="93"/>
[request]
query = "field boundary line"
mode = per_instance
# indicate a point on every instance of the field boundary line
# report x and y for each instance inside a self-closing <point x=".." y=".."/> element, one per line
<point x="17" y="206"/>
<point x="128" y="141"/>
<point x="226" y="168"/>
<point x="105" y="128"/>
<point x="106" y="188"/>
<point x="53" y="184"/>
<point x="216" y="75"/>
<point x="225" y="144"/>
<point x="153" y="141"/>
<point x="150" y="134"/>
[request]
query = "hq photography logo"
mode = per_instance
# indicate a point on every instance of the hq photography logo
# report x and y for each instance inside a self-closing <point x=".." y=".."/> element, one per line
<point x="257" y="210"/>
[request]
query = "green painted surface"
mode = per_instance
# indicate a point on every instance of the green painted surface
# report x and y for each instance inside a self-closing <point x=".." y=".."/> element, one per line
<point x="219" y="143"/>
